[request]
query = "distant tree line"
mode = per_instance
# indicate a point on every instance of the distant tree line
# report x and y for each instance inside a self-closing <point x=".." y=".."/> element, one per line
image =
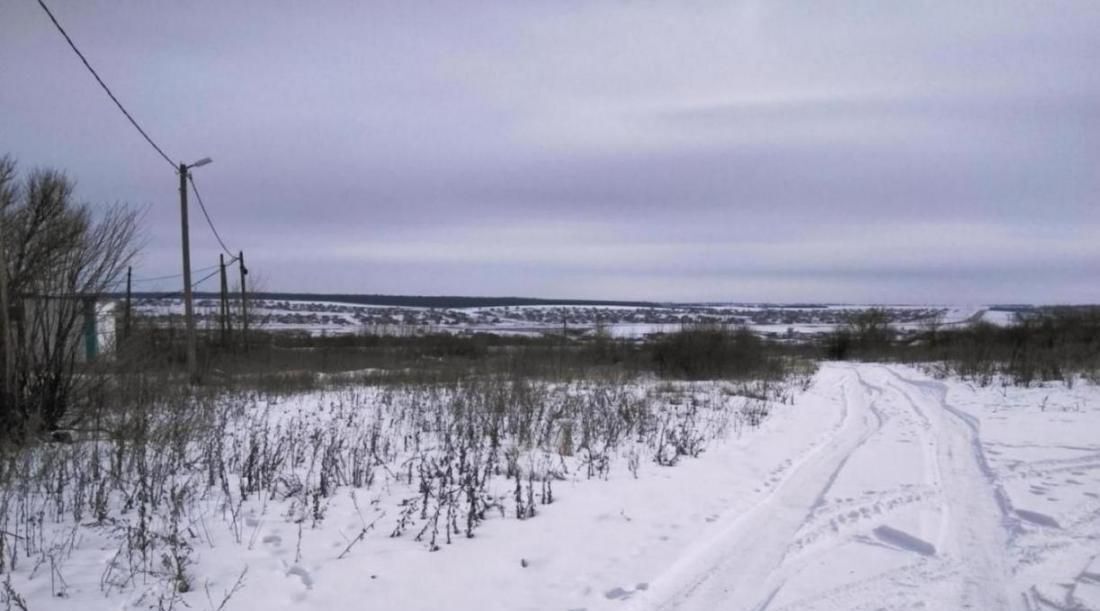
<point x="1042" y="344"/>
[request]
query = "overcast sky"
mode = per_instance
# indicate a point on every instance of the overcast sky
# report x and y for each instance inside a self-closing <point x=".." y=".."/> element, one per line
<point x="889" y="152"/>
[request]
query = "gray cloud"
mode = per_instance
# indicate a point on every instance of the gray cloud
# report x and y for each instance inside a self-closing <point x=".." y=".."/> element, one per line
<point x="703" y="150"/>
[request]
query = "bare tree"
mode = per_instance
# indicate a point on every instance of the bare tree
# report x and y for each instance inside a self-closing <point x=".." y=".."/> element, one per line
<point x="7" y="199"/>
<point x="58" y="256"/>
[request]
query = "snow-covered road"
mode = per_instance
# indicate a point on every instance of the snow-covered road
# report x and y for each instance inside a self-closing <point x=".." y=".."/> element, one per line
<point x="898" y="507"/>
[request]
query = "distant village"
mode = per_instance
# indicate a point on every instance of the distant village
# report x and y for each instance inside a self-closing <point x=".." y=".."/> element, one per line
<point x="339" y="318"/>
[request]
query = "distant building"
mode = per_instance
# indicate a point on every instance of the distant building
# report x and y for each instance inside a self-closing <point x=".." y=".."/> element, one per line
<point x="37" y="322"/>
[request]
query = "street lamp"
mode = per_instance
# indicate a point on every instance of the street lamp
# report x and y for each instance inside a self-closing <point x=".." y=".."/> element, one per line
<point x="188" y="305"/>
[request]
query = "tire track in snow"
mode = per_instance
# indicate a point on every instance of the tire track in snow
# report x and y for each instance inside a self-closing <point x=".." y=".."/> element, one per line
<point x="976" y="547"/>
<point x="740" y="566"/>
<point x="748" y="564"/>
<point x="847" y="518"/>
<point x="879" y="421"/>
<point x="1041" y="468"/>
<point x="980" y="520"/>
<point x="868" y="520"/>
<point x="889" y="589"/>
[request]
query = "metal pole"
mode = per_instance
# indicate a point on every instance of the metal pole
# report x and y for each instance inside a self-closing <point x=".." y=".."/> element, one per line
<point x="188" y="306"/>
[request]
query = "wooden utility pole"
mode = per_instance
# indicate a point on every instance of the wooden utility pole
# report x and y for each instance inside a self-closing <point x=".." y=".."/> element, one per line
<point x="225" y="299"/>
<point x="188" y="305"/>
<point x="129" y="295"/>
<point x="244" y="299"/>
<point x="224" y="303"/>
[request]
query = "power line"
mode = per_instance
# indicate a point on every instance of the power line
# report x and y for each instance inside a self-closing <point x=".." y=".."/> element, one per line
<point x="122" y="282"/>
<point x="174" y="294"/>
<point x="202" y="206"/>
<point x="153" y="279"/>
<point x="206" y="277"/>
<point x="104" y="85"/>
<point x="174" y="276"/>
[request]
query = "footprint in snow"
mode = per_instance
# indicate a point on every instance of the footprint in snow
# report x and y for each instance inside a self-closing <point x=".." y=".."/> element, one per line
<point x="618" y="593"/>
<point x="904" y="540"/>
<point x="302" y="574"/>
<point x="1037" y="518"/>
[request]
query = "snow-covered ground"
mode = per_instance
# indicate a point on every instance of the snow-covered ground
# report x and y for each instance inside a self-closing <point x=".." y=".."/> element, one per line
<point x="878" y="487"/>
<point x="1001" y="318"/>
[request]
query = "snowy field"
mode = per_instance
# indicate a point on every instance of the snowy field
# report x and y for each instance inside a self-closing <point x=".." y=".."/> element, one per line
<point x="867" y="487"/>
